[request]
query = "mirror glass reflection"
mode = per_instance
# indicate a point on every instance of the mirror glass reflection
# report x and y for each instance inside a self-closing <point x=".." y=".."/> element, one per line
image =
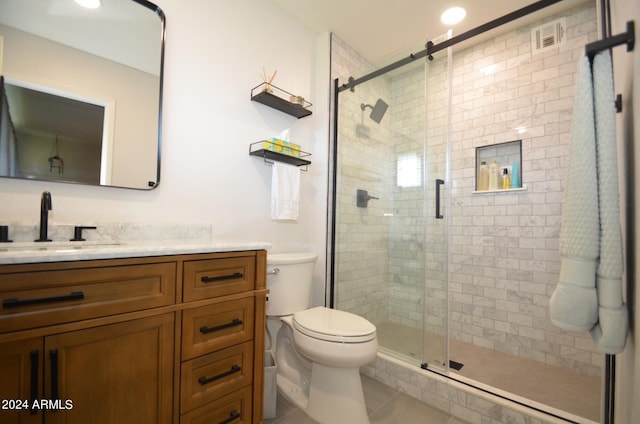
<point x="81" y="92"/>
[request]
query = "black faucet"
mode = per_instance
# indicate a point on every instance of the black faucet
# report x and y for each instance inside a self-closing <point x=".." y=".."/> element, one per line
<point x="45" y="207"/>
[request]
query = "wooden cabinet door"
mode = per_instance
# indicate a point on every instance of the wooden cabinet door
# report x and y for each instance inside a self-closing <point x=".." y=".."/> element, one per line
<point x="119" y="373"/>
<point x="20" y="380"/>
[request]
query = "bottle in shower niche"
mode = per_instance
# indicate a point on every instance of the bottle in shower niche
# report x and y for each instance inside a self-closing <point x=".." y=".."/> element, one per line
<point x="483" y="177"/>
<point x="515" y="175"/>
<point x="494" y="177"/>
<point x="505" y="180"/>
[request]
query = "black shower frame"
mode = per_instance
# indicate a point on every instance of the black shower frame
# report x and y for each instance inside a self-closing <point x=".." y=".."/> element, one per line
<point x="607" y="42"/>
<point x="434" y="48"/>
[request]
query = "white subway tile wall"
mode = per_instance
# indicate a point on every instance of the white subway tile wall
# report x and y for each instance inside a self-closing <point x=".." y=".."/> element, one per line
<point x="504" y="247"/>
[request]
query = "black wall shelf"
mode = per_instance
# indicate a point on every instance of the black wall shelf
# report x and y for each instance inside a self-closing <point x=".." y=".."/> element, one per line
<point x="269" y="156"/>
<point x="272" y="96"/>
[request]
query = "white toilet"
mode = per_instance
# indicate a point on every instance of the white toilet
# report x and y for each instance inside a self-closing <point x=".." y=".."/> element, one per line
<point x="319" y="351"/>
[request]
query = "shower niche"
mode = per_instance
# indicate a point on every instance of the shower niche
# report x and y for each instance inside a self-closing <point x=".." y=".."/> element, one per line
<point x="498" y="168"/>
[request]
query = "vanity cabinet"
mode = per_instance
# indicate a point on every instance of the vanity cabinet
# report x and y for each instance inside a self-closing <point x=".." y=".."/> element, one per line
<point x="20" y="361"/>
<point x="162" y="339"/>
<point x="220" y="359"/>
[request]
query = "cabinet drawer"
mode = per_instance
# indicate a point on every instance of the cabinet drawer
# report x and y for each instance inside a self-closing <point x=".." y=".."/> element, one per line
<point x="234" y="408"/>
<point x="209" y="377"/>
<point x="216" y="326"/>
<point x="209" y="278"/>
<point x="46" y="297"/>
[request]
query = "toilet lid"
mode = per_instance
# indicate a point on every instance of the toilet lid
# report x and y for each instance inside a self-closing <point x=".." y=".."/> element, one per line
<point x="333" y="325"/>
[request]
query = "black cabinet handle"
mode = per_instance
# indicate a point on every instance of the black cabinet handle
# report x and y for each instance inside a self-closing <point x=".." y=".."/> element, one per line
<point x="206" y="380"/>
<point x="12" y="303"/>
<point x="34" y="357"/>
<point x="234" y="323"/>
<point x="439" y="182"/>
<point x="234" y="415"/>
<point x="222" y="277"/>
<point x="53" y="357"/>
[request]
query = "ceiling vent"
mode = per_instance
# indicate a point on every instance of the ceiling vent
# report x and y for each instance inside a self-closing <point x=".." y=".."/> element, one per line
<point x="548" y="36"/>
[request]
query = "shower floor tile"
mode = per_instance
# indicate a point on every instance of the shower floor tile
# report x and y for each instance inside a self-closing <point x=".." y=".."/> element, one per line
<point x="553" y="386"/>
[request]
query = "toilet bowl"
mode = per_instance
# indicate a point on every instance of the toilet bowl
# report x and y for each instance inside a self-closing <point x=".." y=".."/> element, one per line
<point x="319" y="350"/>
<point x="334" y="338"/>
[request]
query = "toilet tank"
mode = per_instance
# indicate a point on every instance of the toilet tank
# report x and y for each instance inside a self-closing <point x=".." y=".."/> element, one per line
<point x="289" y="277"/>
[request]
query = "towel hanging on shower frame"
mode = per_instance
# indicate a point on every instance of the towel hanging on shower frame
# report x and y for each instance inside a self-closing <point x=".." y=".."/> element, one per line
<point x="628" y="38"/>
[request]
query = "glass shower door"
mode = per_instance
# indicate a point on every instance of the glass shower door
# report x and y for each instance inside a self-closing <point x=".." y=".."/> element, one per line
<point x="389" y="247"/>
<point x="437" y="154"/>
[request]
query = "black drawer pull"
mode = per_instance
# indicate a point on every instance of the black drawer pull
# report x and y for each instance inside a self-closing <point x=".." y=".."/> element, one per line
<point x="12" y="303"/>
<point x="234" y="323"/>
<point x="222" y="277"/>
<point x="234" y="415"/>
<point x="206" y="380"/>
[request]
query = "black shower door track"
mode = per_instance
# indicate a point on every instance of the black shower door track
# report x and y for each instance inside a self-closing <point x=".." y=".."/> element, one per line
<point x="434" y="48"/>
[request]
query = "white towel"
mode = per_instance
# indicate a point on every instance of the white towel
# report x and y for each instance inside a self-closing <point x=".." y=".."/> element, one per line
<point x="589" y="293"/>
<point x="285" y="192"/>
<point x="610" y="333"/>
<point x="574" y="303"/>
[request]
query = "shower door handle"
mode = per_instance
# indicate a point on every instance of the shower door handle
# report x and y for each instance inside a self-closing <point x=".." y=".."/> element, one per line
<point x="439" y="182"/>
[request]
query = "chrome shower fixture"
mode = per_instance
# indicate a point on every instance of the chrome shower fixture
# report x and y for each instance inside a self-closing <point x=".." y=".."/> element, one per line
<point x="377" y="111"/>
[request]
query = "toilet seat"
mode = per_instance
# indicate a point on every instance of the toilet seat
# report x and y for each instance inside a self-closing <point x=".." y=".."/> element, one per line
<point x="333" y="325"/>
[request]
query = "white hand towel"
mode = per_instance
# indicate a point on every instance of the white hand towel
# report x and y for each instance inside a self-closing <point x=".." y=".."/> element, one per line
<point x="610" y="333"/>
<point x="574" y="303"/>
<point x="285" y="192"/>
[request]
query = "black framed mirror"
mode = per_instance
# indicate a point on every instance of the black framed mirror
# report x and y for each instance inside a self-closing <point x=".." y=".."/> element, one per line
<point x="81" y="92"/>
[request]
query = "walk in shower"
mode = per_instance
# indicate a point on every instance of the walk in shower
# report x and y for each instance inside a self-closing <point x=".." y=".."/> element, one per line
<point x="458" y="280"/>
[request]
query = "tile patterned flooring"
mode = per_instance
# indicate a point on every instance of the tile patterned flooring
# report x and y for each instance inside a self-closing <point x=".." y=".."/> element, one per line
<point x="384" y="405"/>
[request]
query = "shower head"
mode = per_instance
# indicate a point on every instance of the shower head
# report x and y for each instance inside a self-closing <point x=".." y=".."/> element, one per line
<point x="377" y="111"/>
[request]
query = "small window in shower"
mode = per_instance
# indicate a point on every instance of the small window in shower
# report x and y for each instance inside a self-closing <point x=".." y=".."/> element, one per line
<point x="409" y="170"/>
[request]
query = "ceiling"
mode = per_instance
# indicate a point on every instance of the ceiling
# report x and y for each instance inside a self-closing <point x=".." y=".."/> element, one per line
<point x="102" y="32"/>
<point x="380" y="28"/>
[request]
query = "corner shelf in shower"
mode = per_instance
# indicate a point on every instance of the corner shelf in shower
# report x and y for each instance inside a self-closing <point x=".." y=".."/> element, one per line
<point x="272" y="96"/>
<point x="269" y="156"/>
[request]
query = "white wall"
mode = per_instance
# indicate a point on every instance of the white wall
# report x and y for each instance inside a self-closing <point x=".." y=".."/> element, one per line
<point x="215" y="51"/>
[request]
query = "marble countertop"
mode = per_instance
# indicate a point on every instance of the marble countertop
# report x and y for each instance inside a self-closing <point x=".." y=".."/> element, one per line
<point x="29" y="252"/>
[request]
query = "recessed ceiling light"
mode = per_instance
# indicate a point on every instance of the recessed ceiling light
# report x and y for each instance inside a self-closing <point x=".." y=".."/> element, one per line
<point x="89" y="4"/>
<point x="453" y="15"/>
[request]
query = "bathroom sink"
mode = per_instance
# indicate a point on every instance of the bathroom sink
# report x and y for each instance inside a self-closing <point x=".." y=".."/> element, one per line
<point x="56" y="246"/>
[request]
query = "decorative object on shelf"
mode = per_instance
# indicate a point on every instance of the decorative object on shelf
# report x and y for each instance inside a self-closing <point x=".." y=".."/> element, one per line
<point x="55" y="161"/>
<point x="268" y="81"/>
<point x="276" y="150"/>
<point x="281" y="146"/>
<point x="299" y="100"/>
<point x="505" y="170"/>
<point x="272" y="96"/>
